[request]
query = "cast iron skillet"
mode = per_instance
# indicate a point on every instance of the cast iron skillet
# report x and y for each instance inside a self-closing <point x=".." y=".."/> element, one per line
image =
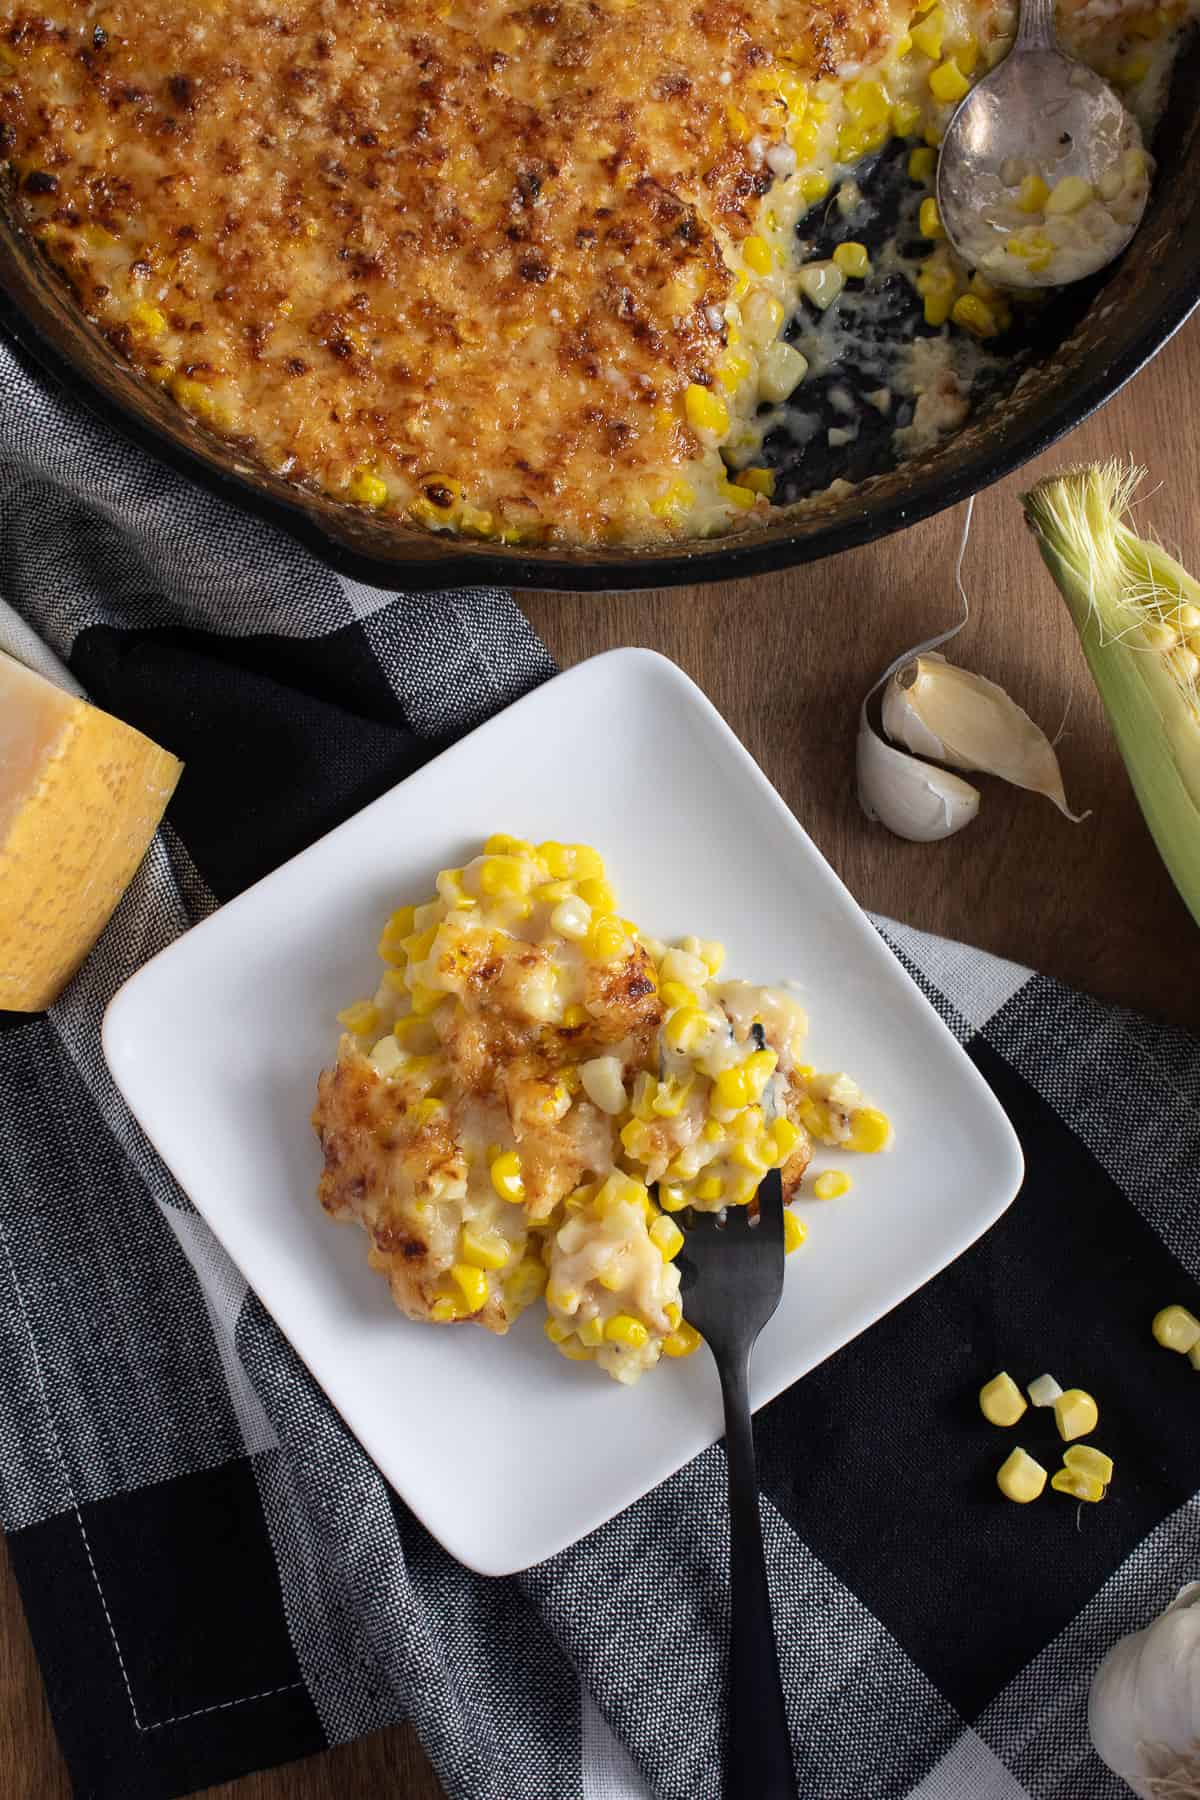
<point x="1081" y="353"/>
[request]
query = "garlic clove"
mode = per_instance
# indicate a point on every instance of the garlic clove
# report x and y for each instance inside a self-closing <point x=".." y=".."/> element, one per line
<point x="910" y="797"/>
<point x="1145" y="1703"/>
<point x="939" y="710"/>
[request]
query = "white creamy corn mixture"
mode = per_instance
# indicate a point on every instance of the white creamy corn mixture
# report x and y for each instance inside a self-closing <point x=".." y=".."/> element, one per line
<point x="536" y="1087"/>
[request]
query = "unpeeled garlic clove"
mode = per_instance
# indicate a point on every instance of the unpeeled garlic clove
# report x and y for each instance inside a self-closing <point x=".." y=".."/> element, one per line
<point x="937" y="709"/>
<point x="910" y="797"/>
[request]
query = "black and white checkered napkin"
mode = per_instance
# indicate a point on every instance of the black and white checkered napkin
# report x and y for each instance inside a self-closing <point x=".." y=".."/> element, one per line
<point x="216" y="1576"/>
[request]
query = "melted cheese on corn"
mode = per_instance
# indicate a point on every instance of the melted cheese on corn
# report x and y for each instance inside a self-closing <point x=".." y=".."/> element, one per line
<point x="517" y="270"/>
<point x="528" y="1069"/>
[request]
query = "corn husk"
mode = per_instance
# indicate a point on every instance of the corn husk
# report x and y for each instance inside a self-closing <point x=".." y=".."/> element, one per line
<point x="1124" y="595"/>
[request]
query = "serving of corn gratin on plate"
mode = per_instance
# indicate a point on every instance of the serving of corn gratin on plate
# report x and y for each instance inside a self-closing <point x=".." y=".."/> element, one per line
<point x="538" y="274"/>
<point x="537" y="1087"/>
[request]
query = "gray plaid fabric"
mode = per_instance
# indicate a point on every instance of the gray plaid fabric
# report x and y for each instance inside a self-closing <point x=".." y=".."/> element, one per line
<point x="216" y="1575"/>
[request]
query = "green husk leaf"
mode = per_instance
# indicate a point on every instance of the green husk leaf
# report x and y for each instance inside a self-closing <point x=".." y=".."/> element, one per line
<point x="1115" y="583"/>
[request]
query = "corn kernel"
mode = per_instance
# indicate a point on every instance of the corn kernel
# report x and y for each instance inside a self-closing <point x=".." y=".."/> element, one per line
<point x="572" y="861"/>
<point x="362" y="1018"/>
<point x="418" y="945"/>
<point x="682" y="1341"/>
<point x="472" y="1283"/>
<point x="1175" y="1328"/>
<point x="686" y="1029"/>
<point x="1082" y="1459"/>
<point x="574" y="1016"/>
<point x="1032" y="194"/>
<point x="446" y="1309"/>
<point x="759" y="481"/>
<point x="711" y="1187"/>
<point x="623" y="1329"/>
<point x="794" y="1231"/>
<point x="1079" y="1487"/>
<point x="852" y="259"/>
<point x="783" y="1137"/>
<point x="975" y="315"/>
<point x="1020" y="1478"/>
<point x="867" y="101"/>
<point x="922" y="164"/>
<point x="929" y="219"/>
<point x="967" y="55"/>
<point x="928" y="35"/>
<point x="673" y="1313"/>
<point x="562" y="1299"/>
<point x="591" y="1333"/>
<point x="598" y="894"/>
<point x="760" y="1065"/>
<point x="669" y="1097"/>
<point x="870" y="1130"/>
<point x="556" y="1331"/>
<point x="1068" y="195"/>
<point x="831" y="1184"/>
<point x="526" y="1283"/>
<point x="782" y="367"/>
<point x="424" y="1113"/>
<point x="503" y="877"/>
<point x="574" y="1351"/>
<point x="148" y="319"/>
<point x="667" y="1238"/>
<point x="813" y="187"/>
<point x="1034" y="249"/>
<point x="506" y="1177"/>
<point x="1044" y="1391"/>
<point x="705" y="411"/>
<point x="755" y="1157"/>
<point x="756" y="254"/>
<point x="671" y="1197"/>
<point x="425" y="999"/>
<point x="1001" y="1401"/>
<point x="903" y="46"/>
<point x="821" y="282"/>
<point x="398" y="927"/>
<point x="731" y="1088"/>
<point x="484" y="1249"/>
<point x="367" y="489"/>
<point x="605" y="940"/>
<point x="1076" y="1414"/>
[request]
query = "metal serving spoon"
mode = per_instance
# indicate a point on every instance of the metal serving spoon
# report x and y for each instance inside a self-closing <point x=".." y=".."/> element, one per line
<point x="1040" y="107"/>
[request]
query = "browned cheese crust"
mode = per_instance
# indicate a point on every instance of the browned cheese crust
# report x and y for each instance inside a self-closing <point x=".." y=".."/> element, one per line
<point x="474" y="247"/>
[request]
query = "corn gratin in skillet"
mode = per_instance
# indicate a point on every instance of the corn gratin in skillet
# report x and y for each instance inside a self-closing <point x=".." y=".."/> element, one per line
<point x="528" y="272"/>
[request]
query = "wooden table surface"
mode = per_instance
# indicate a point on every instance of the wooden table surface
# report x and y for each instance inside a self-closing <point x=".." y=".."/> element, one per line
<point x="786" y="658"/>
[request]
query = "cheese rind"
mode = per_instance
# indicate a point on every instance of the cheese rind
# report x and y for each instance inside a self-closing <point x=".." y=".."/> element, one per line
<point x="81" y="795"/>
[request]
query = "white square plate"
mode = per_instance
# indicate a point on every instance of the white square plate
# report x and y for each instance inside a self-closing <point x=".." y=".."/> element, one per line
<point x="623" y="752"/>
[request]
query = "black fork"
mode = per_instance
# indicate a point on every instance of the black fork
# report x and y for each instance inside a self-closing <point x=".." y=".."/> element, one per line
<point x="732" y="1278"/>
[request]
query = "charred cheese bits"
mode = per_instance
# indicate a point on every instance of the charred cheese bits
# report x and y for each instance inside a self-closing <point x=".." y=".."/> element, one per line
<point x="535" y="1088"/>
<point x="81" y="795"/>
<point x="511" y="271"/>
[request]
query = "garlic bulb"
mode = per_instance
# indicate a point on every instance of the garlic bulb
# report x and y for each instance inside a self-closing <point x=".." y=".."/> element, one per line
<point x="909" y="796"/>
<point x="939" y="710"/>
<point x="1144" y="1711"/>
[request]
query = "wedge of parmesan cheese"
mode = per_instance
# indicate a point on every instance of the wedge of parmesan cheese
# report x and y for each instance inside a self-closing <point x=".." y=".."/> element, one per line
<point x="81" y="795"/>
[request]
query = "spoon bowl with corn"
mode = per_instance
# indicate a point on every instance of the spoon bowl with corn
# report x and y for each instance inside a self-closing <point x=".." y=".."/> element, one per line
<point x="1043" y="177"/>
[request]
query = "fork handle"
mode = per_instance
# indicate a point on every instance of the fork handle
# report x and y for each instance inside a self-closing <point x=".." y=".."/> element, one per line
<point x="758" y="1762"/>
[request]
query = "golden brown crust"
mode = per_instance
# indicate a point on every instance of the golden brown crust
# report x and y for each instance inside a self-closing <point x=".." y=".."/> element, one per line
<point x="477" y="246"/>
<point x="387" y="1173"/>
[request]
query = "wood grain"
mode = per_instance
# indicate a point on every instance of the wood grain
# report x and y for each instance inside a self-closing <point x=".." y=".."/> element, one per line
<point x="786" y="659"/>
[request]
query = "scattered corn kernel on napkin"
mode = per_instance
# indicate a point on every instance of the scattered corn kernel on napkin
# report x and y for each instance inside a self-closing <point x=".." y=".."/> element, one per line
<point x="215" y="1575"/>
